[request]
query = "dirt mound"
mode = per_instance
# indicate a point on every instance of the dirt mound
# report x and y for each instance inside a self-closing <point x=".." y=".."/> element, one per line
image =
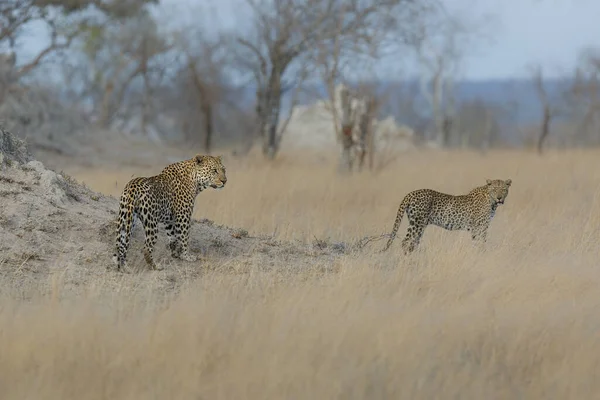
<point x="51" y="226"/>
<point x="12" y="149"/>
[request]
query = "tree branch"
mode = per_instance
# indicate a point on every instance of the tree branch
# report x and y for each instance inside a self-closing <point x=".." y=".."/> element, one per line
<point x="256" y="51"/>
<point x="52" y="47"/>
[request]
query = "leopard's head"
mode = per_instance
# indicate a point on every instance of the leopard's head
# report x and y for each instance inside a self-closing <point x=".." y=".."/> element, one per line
<point x="498" y="189"/>
<point x="210" y="171"/>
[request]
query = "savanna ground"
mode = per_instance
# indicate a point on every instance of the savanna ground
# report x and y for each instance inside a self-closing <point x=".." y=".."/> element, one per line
<point x="518" y="320"/>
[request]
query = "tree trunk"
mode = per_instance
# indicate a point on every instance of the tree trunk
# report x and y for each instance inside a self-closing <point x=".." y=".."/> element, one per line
<point x="366" y="143"/>
<point x="545" y="129"/>
<point x="145" y="99"/>
<point x="487" y="132"/>
<point x="347" y="160"/>
<point x="436" y="106"/>
<point x="208" y="126"/>
<point x="206" y="98"/>
<point x="105" y="112"/>
<point x="446" y="130"/>
<point x="347" y="123"/>
<point x="270" y="108"/>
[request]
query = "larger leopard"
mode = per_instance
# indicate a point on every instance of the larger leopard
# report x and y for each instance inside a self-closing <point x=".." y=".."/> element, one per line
<point x="472" y="212"/>
<point x="167" y="198"/>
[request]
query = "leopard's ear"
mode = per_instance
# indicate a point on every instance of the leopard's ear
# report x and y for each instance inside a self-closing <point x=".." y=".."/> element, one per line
<point x="508" y="182"/>
<point x="199" y="158"/>
<point x="488" y="181"/>
<point x="220" y="158"/>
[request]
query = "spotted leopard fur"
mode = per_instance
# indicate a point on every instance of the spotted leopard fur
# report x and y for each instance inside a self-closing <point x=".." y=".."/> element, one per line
<point x="167" y="198"/>
<point x="472" y="212"/>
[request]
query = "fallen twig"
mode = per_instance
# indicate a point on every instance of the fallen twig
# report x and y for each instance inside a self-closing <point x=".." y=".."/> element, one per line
<point x="367" y="239"/>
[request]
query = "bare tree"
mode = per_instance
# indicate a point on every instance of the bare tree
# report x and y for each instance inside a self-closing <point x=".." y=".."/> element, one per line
<point x="549" y="111"/>
<point x="355" y="130"/>
<point x="17" y="15"/>
<point x="30" y="103"/>
<point x="351" y="56"/>
<point x="440" y="46"/>
<point x="346" y="126"/>
<point x="118" y="55"/>
<point x="366" y="142"/>
<point x="477" y="124"/>
<point x="202" y="84"/>
<point x="332" y="59"/>
<point x="35" y="105"/>
<point x="439" y="60"/>
<point x="280" y="52"/>
<point x="350" y="112"/>
<point x="582" y="99"/>
<point x="206" y="97"/>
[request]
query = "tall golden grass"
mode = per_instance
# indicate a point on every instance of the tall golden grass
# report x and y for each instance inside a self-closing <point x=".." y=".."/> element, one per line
<point x="517" y="320"/>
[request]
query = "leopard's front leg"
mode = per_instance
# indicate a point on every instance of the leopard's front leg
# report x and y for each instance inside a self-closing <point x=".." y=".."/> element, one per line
<point x="182" y="233"/>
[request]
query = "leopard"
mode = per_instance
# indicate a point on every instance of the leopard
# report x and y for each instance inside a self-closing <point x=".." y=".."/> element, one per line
<point x="470" y="212"/>
<point x="166" y="199"/>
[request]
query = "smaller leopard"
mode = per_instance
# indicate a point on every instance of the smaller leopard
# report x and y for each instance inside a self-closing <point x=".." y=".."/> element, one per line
<point x="472" y="212"/>
<point x="167" y="198"/>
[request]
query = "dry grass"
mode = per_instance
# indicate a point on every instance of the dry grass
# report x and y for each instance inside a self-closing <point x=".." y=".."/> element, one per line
<point x="518" y="320"/>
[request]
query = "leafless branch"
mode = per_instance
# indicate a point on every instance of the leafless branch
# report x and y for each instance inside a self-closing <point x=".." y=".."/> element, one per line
<point x="296" y="86"/>
<point x="54" y="45"/>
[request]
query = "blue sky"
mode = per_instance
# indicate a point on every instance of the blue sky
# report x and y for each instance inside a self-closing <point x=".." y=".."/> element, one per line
<point x="551" y="33"/>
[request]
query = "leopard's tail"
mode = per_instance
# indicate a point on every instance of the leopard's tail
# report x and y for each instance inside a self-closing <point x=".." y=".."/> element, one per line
<point x="124" y="227"/>
<point x="399" y="215"/>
